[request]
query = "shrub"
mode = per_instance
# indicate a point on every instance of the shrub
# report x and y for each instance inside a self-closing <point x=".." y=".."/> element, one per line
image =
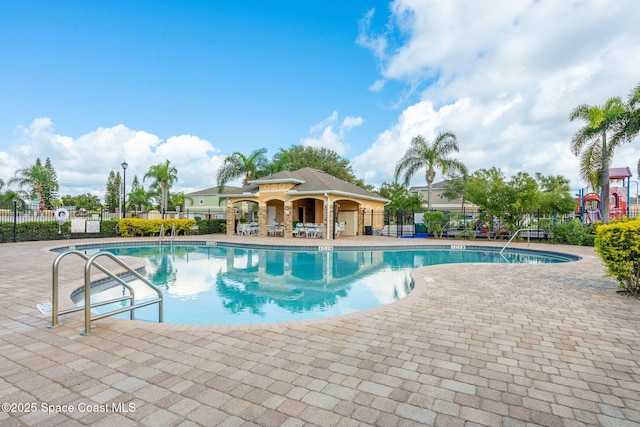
<point x="146" y="227"/>
<point x="574" y="233"/>
<point x="33" y="231"/>
<point x="210" y="226"/>
<point x="434" y="221"/>
<point x="618" y="244"/>
<point x="108" y="227"/>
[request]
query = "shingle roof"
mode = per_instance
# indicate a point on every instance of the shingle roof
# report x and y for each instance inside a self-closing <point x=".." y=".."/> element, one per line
<point x="434" y="186"/>
<point x="312" y="181"/>
<point x="213" y="191"/>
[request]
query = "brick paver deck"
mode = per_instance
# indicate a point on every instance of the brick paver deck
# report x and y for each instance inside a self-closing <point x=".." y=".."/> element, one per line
<point x="474" y="344"/>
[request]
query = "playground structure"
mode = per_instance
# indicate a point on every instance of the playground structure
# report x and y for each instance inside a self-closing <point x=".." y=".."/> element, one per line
<point x="589" y="206"/>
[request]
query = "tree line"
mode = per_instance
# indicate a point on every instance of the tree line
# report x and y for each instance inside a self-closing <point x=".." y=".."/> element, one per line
<point x="606" y="127"/>
<point x="39" y="183"/>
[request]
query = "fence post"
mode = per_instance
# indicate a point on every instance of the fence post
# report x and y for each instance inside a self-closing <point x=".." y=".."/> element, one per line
<point x="15" y="221"/>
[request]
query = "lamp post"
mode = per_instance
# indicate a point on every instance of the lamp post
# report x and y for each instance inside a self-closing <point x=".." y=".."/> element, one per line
<point x="124" y="189"/>
<point x="15" y="220"/>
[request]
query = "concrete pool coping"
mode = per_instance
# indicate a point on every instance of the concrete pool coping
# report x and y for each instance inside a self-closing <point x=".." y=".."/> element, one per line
<point x="550" y="344"/>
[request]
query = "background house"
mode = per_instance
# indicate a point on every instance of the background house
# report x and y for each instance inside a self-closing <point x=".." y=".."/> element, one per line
<point x="208" y="203"/>
<point x="438" y="201"/>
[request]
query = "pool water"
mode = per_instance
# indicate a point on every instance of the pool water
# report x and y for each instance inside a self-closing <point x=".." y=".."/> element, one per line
<point x="229" y="285"/>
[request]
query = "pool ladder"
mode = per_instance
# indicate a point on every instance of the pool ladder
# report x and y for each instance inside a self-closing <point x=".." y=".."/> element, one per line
<point x="161" y="234"/>
<point x="516" y="233"/>
<point x="90" y="261"/>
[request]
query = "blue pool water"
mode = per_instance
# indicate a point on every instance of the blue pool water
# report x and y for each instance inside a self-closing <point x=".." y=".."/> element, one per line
<point x="229" y="285"/>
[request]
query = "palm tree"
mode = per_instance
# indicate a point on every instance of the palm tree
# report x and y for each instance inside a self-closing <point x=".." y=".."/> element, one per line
<point x="631" y="118"/>
<point x="600" y="121"/>
<point x="591" y="167"/>
<point x="139" y="199"/>
<point x="422" y="154"/>
<point x="164" y="176"/>
<point x="237" y="165"/>
<point x="631" y="123"/>
<point x="36" y="178"/>
<point x="179" y="199"/>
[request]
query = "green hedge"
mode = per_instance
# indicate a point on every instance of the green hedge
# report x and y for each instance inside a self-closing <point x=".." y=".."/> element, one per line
<point x="618" y="244"/>
<point x="129" y="227"/>
<point x="109" y="227"/>
<point x="33" y="231"/>
<point x="211" y="226"/>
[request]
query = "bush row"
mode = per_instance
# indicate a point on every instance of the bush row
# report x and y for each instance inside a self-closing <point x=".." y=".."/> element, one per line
<point x="48" y="230"/>
<point x="129" y="227"/>
<point x="211" y="226"/>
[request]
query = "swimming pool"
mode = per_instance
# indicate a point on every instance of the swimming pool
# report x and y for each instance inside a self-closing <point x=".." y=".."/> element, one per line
<point x="206" y="284"/>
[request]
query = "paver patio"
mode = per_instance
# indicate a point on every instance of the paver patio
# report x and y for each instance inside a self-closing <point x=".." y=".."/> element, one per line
<point x="474" y="344"/>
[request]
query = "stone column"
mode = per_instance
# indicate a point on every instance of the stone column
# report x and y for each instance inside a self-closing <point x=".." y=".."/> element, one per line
<point x="329" y="222"/>
<point x="230" y="214"/>
<point x="288" y="220"/>
<point x="262" y="219"/>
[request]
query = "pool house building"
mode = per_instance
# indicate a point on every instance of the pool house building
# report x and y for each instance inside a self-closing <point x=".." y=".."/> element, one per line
<point x="304" y="203"/>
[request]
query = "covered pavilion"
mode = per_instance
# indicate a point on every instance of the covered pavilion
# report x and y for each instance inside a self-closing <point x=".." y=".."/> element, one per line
<point x="311" y="197"/>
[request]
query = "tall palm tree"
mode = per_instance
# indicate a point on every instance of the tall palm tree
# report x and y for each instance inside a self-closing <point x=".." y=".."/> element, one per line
<point x="238" y="165"/>
<point x="422" y="154"/>
<point x="600" y="121"/>
<point x="36" y="178"/>
<point x="631" y="118"/>
<point x="591" y="167"/>
<point x="631" y="123"/>
<point x="164" y="176"/>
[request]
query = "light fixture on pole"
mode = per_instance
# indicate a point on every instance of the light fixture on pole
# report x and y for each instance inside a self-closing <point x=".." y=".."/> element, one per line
<point x="124" y="189"/>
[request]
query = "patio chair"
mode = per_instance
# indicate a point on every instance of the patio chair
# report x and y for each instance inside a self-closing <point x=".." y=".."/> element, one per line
<point x="300" y="230"/>
<point x="253" y="228"/>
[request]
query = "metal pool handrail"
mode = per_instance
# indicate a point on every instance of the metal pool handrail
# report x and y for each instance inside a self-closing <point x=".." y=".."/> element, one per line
<point x="55" y="287"/>
<point x="515" y="234"/>
<point x="90" y="261"/>
<point x="87" y="292"/>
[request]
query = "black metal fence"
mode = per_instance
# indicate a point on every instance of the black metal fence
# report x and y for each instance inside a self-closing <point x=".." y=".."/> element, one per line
<point x="35" y="222"/>
<point x="468" y="223"/>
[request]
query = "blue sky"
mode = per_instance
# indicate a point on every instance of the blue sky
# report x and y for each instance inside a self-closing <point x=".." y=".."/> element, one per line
<point x="90" y="84"/>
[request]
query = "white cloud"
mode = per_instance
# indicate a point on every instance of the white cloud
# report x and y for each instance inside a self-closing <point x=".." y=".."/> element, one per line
<point x="325" y="134"/>
<point x="83" y="164"/>
<point x="503" y="76"/>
